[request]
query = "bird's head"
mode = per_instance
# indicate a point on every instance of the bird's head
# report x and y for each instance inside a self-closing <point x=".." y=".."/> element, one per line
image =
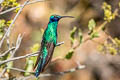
<point x="55" y="18"/>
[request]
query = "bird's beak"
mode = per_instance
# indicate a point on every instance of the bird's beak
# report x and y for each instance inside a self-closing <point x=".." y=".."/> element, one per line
<point x="66" y="17"/>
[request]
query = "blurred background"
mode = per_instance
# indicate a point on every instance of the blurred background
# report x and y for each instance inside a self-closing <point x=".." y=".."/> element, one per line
<point x="34" y="19"/>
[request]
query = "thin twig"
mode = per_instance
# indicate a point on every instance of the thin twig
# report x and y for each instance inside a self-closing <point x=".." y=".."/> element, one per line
<point x="20" y="57"/>
<point x="6" y="52"/>
<point x="11" y="9"/>
<point x="60" y="43"/>
<point x="9" y="29"/>
<point x="13" y="53"/>
<point x="3" y="71"/>
<point x="18" y="42"/>
<point x="20" y="70"/>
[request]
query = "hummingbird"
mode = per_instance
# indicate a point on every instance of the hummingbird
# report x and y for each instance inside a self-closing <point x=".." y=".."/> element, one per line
<point x="48" y="44"/>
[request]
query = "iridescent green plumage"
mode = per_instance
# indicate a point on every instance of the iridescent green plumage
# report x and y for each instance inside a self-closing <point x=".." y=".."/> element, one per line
<point x="49" y="42"/>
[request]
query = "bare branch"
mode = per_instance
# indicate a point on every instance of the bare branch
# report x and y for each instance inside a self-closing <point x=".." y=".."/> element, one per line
<point x="6" y="52"/>
<point x="79" y="67"/>
<point x="20" y="70"/>
<point x="60" y="43"/>
<point x="9" y="29"/>
<point x="20" y="57"/>
<point x="14" y="49"/>
<point x="3" y="71"/>
<point x="11" y="9"/>
<point x="18" y="42"/>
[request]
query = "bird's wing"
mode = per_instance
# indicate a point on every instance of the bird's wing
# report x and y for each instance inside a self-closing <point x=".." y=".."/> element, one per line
<point x="38" y="58"/>
<point x="50" y="48"/>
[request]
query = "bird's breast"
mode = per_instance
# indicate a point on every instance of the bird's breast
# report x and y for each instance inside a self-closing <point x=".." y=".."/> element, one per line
<point x="51" y="36"/>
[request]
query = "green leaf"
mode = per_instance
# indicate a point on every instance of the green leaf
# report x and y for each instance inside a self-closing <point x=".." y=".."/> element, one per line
<point x="80" y="35"/>
<point x="70" y="54"/>
<point x="29" y="67"/>
<point x="117" y="41"/>
<point x="9" y="22"/>
<point x="94" y="35"/>
<point x="91" y="24"/>
<point x="35" y="47"/>
<point x="112" y="51"/>
<point x="72" y="33"/>
<point x="2" y="23"/>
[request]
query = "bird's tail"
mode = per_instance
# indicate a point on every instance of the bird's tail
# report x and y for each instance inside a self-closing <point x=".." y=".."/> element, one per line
<point x="39" y="68"/>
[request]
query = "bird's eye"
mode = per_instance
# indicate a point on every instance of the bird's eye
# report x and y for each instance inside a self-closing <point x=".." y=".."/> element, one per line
<point x="55" y="18"/>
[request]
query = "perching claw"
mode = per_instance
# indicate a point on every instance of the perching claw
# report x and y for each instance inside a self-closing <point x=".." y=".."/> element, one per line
<point x="60" y="43"/>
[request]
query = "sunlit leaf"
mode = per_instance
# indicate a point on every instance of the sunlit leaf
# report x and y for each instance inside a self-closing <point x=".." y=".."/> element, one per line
<point x="108" y="13"/>
<point x="91" y="24"/>
<point x="117" y="41"/>
<point x="112" y="51"/>
<point x="35" y="47"/>
<point x="72" y="34"/>
<point x="9" y="22"/>
<point x="70" y="54"/>
<point x="80" y="35"/>
<point x="29" y="67"/>
<point x="2" y="23"/>
<point x="94" y="35"/>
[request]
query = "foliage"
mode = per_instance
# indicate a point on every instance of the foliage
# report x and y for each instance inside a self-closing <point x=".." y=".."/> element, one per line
<point x="91" y="26"/>
<point x="9" y="4"/>
<point x="107" y="47"/>
<point x="108" y="14"/>
<point x="80" y="36"/>
<point x="72" y="33"/>
<point x="112" y="47"/>
<point x="3" y="24"/>
<point x="70" y="53"/>
<point x="73" y="41"/>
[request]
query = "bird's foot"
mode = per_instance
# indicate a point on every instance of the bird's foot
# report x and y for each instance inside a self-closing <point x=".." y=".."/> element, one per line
<point x="60" y="43"/>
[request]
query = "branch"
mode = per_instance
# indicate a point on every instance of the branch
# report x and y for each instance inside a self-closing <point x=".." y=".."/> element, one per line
<point x="3" y="71"/>
<point x="20" y="57"/>
<point x="79" y="67"/>
<point x="20" y="70"/>
<point x="60" y="43"/>
<point x="9" y="29"/>
<point x="6" y="52"/>
<point x="18" y="42"/>
<point x="51" y="74"/>
<point x="7" y="34"/>
<point x="11" y="9"/>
